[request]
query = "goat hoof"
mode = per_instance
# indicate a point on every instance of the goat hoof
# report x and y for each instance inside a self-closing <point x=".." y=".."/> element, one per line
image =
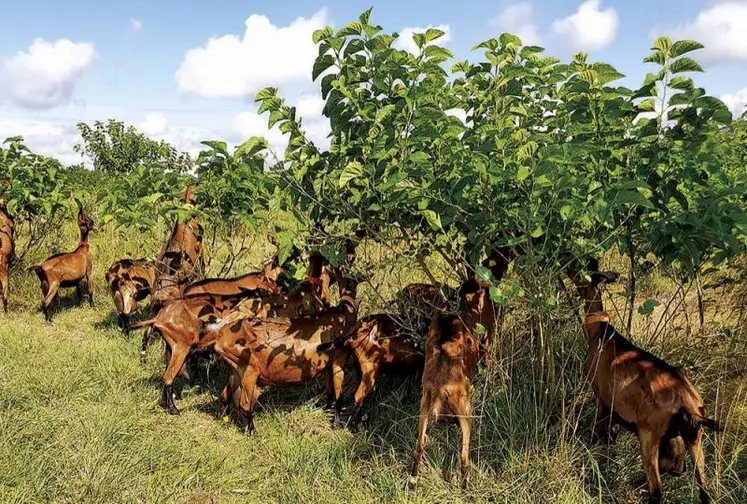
<point x="173" y="410"/>
<point x="358" y="427"/>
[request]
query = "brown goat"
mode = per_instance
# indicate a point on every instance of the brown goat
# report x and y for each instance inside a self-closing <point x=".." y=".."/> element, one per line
<point x="176" y="266"/>
<point x="642" y="393"/>
<point x="264" y="280"/>
<point x="285" y="351"/>
<point x="451" y="356"/>
<point x="7" y="244"/>
<point x="129" y="281"/>
<point x="67" y="269"/>
<point x="379" y="342"/>
<point x="192" y="323"/>
<point x="479" y="311"/>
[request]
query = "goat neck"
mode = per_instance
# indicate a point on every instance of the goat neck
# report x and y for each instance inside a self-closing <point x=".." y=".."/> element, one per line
<point x="594" y="313"/>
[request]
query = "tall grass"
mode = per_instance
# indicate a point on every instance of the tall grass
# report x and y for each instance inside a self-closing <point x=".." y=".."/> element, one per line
<point x="80" y="421"/>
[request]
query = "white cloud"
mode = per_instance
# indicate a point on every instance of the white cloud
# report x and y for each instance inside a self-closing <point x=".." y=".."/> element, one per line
<point x="54" y="139"/>
<point x="722" y="29"/>
<point x="737" y="102"/>
<point x="310" y="106"/>
<point x="590" y="28"/>
<point x="406" y="42"/>
<point x="236" y="67"/>
<point x="136" y="25"/>
<point x="517" y="19"/>
<point x="153" y="124"/>
<point x="44" y="76"/>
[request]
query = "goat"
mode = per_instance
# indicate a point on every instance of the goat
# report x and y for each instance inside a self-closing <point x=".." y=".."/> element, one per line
<point x="129" y="281"/>
<point x="192" y="323"/>
<point x="176" y="265"/>
<point x="451" y="356"/>
<point x="7" y="247"/>
<point x="638" y="391"/>
<point x="380" y="341"/>
<point x="285" y="351"/>
<point x="481" y="314"/>
<point x="67" y="269"/>
<point x="266" y="280"/>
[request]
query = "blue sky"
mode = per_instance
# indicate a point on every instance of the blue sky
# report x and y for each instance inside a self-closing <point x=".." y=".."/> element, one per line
<point x="153" y="64"/>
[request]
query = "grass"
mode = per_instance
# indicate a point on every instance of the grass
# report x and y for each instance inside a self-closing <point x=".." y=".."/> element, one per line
<point x="80" y="421"/>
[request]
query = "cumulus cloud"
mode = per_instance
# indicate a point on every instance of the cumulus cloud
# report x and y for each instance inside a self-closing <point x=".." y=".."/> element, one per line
<point x="406" y="42"/>
<point x="722" y="29"/>
<point x="233" y="66"/>
<point x="737" y="102"/>
<point x="248" y="124"/>
<point x="590" y="28"/>
<point x="136" y="25"/>
<point x="153" y="124"/>
<point x="54" y="139"/>
<point x="517" y="19"/>
<point x="45" y="75"/>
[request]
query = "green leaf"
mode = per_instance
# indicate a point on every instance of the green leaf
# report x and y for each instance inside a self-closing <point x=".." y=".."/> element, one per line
<point x="285" y="240"/>
<point x="522" y="173"/>
<point x="433" y="219"/>
<point x="321" y="65"/>
<point x="632" y="198"/>
<point x="663" y="44"/>
<point x="566" y="211"/>
<point x="484" y="274"/>
<point x="433" y="34"/>
<point x="648" y="306"/>
<point x="538" y="231"/>
<point x="683" y="47"/>
<point x="685" y="64"/>
<point x="322" y="34"/>
<point x="264" y="94"/>
<point x="353" y="170"/>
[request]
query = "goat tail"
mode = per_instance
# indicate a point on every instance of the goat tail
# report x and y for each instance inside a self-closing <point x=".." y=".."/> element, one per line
<point x="710" y="423"/>
<point x="144" y="323"/>
<point x="697" y="418"/>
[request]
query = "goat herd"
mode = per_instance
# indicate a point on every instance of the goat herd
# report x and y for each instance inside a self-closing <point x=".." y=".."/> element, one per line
<point x="269" y="336"/>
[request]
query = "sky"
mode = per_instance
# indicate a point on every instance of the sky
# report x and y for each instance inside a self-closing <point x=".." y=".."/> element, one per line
<point x="188" y="71"/>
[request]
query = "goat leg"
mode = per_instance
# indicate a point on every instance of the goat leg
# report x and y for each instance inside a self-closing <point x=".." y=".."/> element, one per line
<point x="47" y="301"/>
<point x="338" y="376"/>
<point x="369" y="373"/>
<point x="144" y="346"/>
<point x="650" y="441"/>
<point x="422" y="427"/>
<point x="696" y="452"/>
<point x="168" y="400"/>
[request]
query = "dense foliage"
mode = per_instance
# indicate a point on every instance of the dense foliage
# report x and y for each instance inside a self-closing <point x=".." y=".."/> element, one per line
<point x="517" y="148"/>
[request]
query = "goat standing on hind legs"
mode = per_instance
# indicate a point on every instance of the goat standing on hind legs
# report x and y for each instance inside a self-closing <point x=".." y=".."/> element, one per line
<point x="67" y="269"/>
<point x="7" y="242"/>
<point x="643" y="393"/>
<point x="451" y="357"/>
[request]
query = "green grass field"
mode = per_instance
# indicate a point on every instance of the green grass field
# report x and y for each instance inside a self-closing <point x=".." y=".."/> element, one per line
<point x="80" y="420"/>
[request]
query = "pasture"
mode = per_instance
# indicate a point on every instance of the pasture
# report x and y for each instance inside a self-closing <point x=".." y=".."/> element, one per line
<point x="80" y="420"/>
